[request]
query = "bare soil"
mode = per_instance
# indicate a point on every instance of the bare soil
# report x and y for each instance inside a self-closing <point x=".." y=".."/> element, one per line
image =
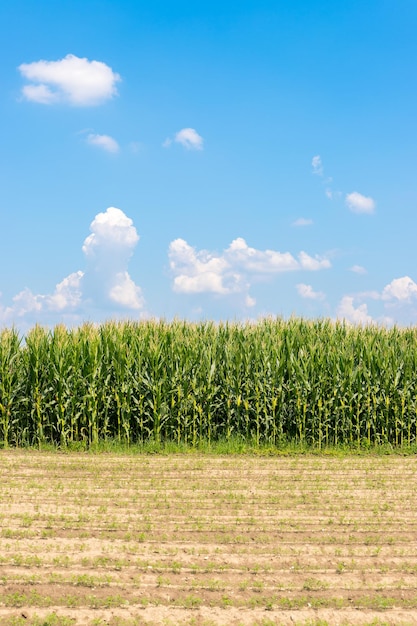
<point x="207" y="540"/>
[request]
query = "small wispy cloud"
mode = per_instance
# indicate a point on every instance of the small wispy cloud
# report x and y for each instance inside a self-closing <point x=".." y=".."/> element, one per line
<point x="358" y="203"/>
<point x="358" y="269"/>
<point x="327" y="181"/>
<point x="307" y="291"/>
<point x="135" y="147"/>
<point x="188" y="138"/>
<point x="71" y="80"/>
<point x="317" y="165"/>
<point x="355" y="201"/>
<point x="302" y="221"/>
<point x="105" y="142"/>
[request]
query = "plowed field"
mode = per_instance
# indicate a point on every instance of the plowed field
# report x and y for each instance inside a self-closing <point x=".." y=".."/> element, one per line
<point x="198" y="539"/>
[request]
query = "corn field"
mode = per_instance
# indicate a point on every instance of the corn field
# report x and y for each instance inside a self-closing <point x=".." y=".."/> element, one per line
<point x="318" y="383"/>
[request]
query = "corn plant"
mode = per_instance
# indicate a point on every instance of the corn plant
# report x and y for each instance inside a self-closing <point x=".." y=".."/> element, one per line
<point x="315" y="382"/>
<point x="11" y="381"/>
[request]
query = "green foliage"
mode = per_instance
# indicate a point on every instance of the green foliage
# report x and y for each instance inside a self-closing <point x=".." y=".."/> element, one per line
<point x="274" y="383"/>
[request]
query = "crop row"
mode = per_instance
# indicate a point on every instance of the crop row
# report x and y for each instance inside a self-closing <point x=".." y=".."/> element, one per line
<point x="315" y="382"/>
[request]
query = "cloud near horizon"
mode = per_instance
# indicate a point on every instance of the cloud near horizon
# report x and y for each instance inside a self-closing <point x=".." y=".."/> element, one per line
<point x="355" y="315"/>
<point x="399" y="297"/>
<point x="104" y="287"/>
<point x="72" y="80"/>
<point x="233" y="271"/>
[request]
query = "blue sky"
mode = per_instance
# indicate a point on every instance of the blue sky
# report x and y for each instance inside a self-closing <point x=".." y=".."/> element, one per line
<point x="208" y="160"/>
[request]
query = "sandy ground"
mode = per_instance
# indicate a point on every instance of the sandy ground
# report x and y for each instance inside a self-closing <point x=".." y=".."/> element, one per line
<point x="107" y="539"/>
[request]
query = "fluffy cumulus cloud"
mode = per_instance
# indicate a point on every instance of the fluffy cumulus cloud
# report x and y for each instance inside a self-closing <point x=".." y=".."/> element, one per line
<point x="199" y="271"/>
<point x="108" y="250"/>
<point x="26" y="302"/>
<point x="354" y="314"/>
<point x="71" y="80"/>
<point x="104" y="142"/>
<point x="66" y="298"/>
<point x="400" y="289"/>
<point x="395" y="303"/>
<point x="307" y="291"/>
<point x="111" y="231"/>
<point x="248" y="259"/>
<point x="67" y="294"/>
<point x="103" y="289"/>
<point x="188" y="138"/>
<point x="358" y="203"/>
<point x="233" y="271"/>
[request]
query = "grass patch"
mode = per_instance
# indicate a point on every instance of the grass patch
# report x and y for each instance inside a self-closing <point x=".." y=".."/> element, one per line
<point x="232" y="446"/>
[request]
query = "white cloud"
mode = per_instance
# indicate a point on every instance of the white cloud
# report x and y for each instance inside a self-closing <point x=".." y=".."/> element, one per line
<point x="318" y="170"/>
<point x="312" y="264"/>
<point x="249" y="301"/>
<point x="40" y="93"/>
<point x="187" y="137"/>
<point x="125" y="293"/>
<point x="400" y="289"/>
<point x="26" y="302"/>
<point x="399" y="299"/>
<point x="359" y="203"/>
<point x="203" y="282"/>
<point x="197" y="272"/>
<point x="190" y="139"/>
<point x="317" y="165"/>
<point x="331" y="194"/>
<point x="112" y="231"/>
<point x="307" y="291"/>
<point x="242" y="256"/>
<point x="67" y="293"/>
<point x="355" y="201"/>
<point x="103" y="289"/>
<point x="108" y="250"/>
<point x="105" y="142"/>
<point x="255" y="261"/>
<point x="233" y="271"/>
<point x="66" y="298"/>
<point x="356" y="315"/>
<point x="302" y="221"/>
<point x="71" y="80"/>
<point x="358" y="269"/>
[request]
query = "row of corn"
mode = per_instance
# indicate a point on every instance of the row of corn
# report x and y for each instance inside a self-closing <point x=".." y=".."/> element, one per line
<point x="314" y="382"/>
